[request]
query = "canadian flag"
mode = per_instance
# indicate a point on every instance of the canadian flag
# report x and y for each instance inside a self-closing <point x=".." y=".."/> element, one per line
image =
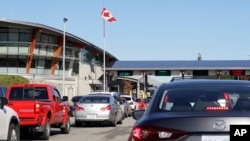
<point x="107" y="15"/>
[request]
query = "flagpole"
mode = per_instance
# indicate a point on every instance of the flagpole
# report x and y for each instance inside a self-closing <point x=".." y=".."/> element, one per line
<point x="104" y="56"/>
<point x="106" y="15"/>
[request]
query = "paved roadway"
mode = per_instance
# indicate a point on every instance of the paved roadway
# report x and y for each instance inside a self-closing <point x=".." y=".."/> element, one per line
<point x="91" y="132"/>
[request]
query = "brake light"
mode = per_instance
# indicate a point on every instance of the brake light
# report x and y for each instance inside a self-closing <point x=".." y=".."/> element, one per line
<point x="141" y="106"/>
<point x="131" y="103"/>
<point x="37" y="108"/>
<point x="108" y="108"/>
<point x="78" y="108"/>
<point x="216" y="108"/>
<point x="155" y="133"/>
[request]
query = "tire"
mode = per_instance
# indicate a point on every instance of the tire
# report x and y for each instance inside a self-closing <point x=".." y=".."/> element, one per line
<point x="13" y="133"/>
<point x="114" y="123"/>
<point x="120" y="121"/>
<point x="126" y="115"/>
<point x="66" y="129"/>
<point x="46" y="133"/>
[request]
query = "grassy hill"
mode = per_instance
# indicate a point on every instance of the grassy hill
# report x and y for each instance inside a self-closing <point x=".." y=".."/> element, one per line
<point x="6" y="80"/>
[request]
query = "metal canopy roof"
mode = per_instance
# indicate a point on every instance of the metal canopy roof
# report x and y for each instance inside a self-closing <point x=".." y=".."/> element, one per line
<point x="179" y="65"/>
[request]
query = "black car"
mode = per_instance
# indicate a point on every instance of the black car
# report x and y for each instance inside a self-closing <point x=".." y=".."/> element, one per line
<point x="194" y="110"/>
<point x="74" y="100"/>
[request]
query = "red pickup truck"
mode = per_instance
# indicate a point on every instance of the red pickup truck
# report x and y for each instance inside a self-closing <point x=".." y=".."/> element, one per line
<point x="39" y="107"/>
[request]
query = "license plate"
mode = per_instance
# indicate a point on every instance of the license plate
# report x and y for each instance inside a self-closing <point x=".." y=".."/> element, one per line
<point x="214" y="138"/>
<point x="91" y="116"/>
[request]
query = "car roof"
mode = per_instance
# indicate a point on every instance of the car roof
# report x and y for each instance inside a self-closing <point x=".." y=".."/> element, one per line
<point x="192" y="82"/>
<point x="98" y="95"/>
<point x="125" y="96"/>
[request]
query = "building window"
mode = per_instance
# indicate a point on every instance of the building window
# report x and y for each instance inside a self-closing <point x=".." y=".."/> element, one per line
<point x="25" y="35"/>
<point x="3" y="34"/>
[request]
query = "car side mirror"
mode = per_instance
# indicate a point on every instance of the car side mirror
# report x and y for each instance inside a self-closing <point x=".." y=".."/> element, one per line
<point x="65" y="98"/>
<point x="3" y="101"/>
<point x="138" y="114"/>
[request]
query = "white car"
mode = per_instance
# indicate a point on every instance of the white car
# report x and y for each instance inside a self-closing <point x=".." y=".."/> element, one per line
<point x="9" y="121"/>
<point x="130" y="101"/>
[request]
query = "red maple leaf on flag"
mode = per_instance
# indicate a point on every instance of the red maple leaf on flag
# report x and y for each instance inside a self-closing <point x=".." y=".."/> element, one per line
<point x="107" y="15"/>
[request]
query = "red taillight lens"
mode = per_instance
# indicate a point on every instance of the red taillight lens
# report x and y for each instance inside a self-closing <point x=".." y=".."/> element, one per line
<point x="108" y="108"/>
<point x="131" y="103"/>
<point x="154" y="133"/>
<point x="216" y="108"/>
<point x="78" y="108"/>
<point x="141" y="106"/>
<point x="37" y="108"/>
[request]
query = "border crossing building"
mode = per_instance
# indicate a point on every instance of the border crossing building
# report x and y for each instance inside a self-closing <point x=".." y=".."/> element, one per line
<point x="35" y="51"/>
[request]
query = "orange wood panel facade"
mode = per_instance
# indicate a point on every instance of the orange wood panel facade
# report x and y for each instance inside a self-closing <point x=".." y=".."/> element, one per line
<point x="57" y="53"/>
<point x="31" y="49"/>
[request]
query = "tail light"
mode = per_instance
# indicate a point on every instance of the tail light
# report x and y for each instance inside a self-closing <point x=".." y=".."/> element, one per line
<point x="216" y="108"/>
<point x="141" y="106"/>
<point x="155" y="133"/>
<point x="64" y="110"/>
<point x="108" y="108"/>
<point x="78" y="108"/>
<point x="37" y="108"/>
<point x="131" y="103"/>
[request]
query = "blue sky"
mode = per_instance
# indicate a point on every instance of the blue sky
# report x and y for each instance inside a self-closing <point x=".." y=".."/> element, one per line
<point x="148" y="30"/>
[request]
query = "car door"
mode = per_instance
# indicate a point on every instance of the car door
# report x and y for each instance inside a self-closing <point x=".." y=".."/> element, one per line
<point x="57" y="106"/>
<point x="118" y="110"/>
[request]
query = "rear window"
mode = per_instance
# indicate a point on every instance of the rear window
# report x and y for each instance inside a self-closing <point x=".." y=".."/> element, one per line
<point x="26" y="93"/>
<point x="206" y="99"/>
<point x="95" y="100"/>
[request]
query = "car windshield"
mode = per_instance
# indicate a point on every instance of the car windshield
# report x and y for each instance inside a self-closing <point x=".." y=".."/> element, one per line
<point x="206" y="99"/>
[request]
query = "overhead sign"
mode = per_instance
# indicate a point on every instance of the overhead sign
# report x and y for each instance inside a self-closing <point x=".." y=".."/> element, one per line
<point x="162" y="73"/>
<point x="237" y="72"/>
<point x="124" y="73"/>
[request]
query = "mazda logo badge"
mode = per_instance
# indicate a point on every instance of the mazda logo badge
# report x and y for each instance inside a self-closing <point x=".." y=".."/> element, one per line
<point x="219" y="125"/>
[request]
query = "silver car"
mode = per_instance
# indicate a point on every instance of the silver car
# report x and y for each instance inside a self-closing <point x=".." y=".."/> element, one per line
<point x="127" y="110"/>
<point x="98" y="108"/>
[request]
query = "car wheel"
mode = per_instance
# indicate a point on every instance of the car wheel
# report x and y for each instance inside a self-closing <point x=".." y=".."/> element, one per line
<point x="46" y="133"/>
<point x="126" y="115"/>
<point x="66" y="129"/>
<point x="13" y="134"/>
<point x="123" y="116"/>
<point x="120" y="121"/>
<point x="113" y="123"/>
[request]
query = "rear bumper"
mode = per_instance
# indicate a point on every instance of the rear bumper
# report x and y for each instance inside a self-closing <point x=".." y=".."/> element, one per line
<point x="26" y="122"/>
<point x="32" y="123"/>
<point x="95" y="117"/>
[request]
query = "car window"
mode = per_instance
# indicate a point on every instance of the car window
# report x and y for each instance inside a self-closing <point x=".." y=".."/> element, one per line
<point x="28" y="93"/>
<point x="205" y="99"/>
<point x="95" y="100"/>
